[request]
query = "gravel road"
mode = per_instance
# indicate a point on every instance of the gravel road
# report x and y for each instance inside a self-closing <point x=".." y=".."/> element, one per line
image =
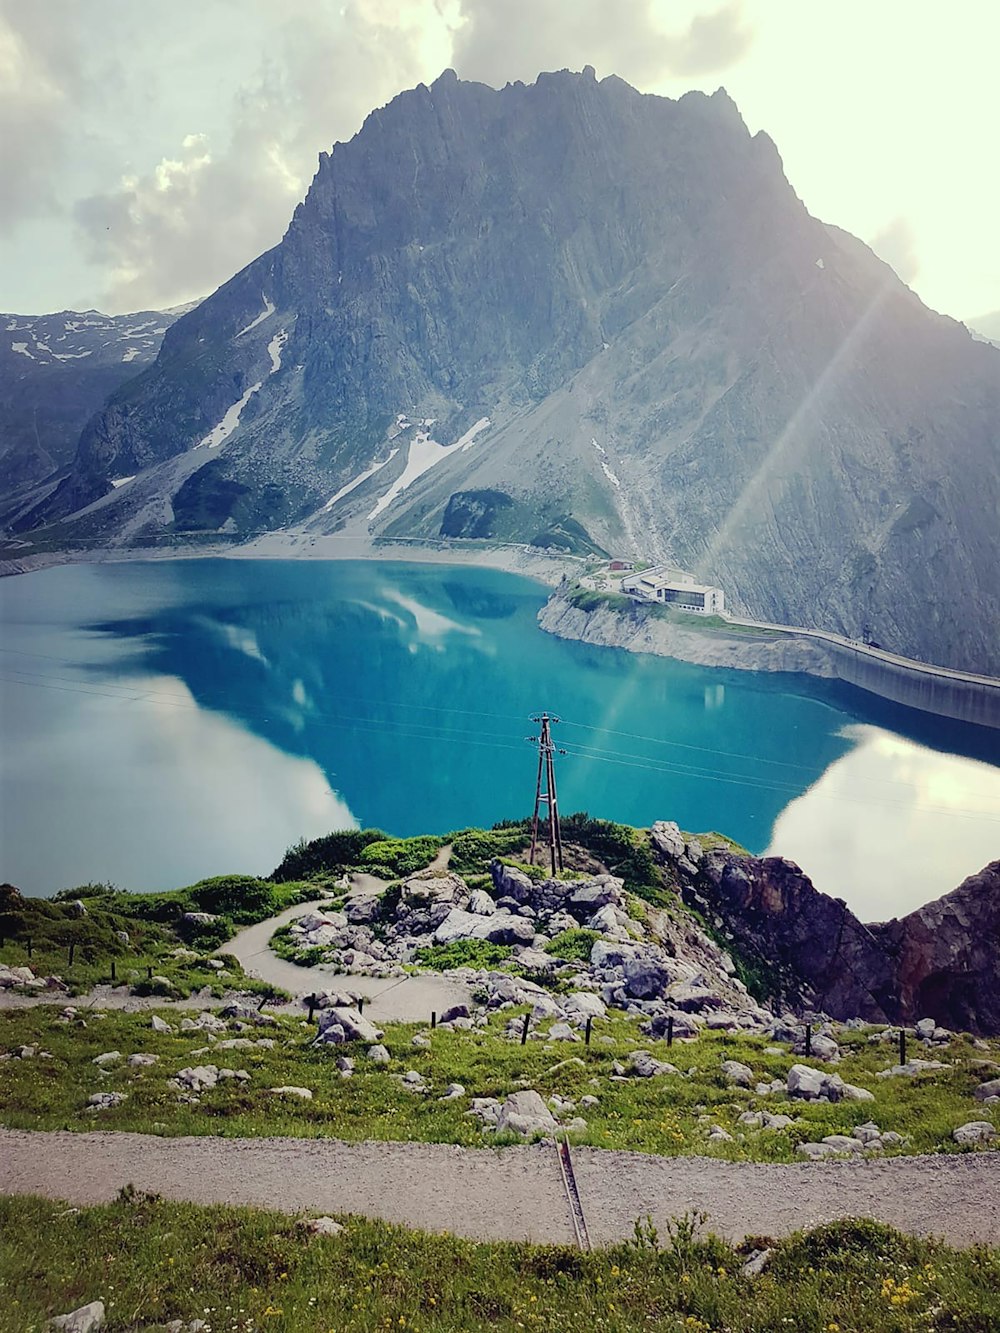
<point x="511" y="1194"/>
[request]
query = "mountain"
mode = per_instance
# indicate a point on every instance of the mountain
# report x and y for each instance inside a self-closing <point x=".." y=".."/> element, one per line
<point x="574" y="315"/>
<point x="55" y="372"/>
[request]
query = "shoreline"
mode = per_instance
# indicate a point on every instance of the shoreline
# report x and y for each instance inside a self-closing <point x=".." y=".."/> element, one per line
<point x="528" y="562"/>
<point x="752" y="646"/>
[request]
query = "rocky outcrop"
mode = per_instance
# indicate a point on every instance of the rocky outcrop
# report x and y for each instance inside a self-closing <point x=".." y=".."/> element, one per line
<point x="947" y="956"/>
<point x="940" y="963"/>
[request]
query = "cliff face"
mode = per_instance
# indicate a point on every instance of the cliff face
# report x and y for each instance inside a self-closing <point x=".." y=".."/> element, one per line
<point x="571" y="314"/>
<point x="941" y="961"/>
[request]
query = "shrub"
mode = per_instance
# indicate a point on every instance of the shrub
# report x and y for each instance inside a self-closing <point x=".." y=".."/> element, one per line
<point x="333" y="852"/>
<point x="472" y="850"/>
<point x="462" y="953"/>
<point x="573" y="945"/>
<point x="625" y="851"/>
<point x="241" y="897"/>
<point x="402" y="856"/>
<point x="205" y="935"/>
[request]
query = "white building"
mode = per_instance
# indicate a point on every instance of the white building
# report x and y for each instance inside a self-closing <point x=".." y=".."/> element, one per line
<point x="663" y="586"/>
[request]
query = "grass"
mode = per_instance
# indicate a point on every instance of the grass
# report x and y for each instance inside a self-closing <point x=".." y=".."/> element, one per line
<point x="668" y="1115"/>
<point x="241" y="1269"/>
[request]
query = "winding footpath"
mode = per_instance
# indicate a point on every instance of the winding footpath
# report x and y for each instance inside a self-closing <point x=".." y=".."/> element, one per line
<point x="511" y="1193"/>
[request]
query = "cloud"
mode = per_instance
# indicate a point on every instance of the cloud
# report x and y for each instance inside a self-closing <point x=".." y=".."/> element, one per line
<point x="180" y="228"/>
<point x="495" y="43"/>
<point x="897" y="245"/>
<point x="40" y="83"/>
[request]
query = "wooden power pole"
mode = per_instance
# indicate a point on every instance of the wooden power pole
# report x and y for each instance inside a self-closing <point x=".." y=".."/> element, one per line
<point x="545" y="791"/>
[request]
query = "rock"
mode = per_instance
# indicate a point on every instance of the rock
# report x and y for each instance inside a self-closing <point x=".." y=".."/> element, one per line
<point x="925" y="1029"/>
<point x="584" y="1004"/>
<point x="362" y="909"/>
<point x="452" y="1093"/>
<point x="122" y="935"/>
<point x="498" y="928"/>
<point x="420" y="1041"/>
<point x="590" y="897"/>
<point x="481" y="904"/>
<point x="378" y="1055"/>
<point x="735" y="1072"/>
<point x="850" y="1092"/>
<point x="844" y="1143"/>
<point x="105" y="1101"/>
<point x="823" y="1048"/>
<point x="158" y="1024"/>
<point x="561" y="1032"/>
<point x="87" y="1319"/>
<point x="77" y="909"/>
<point x="684" y="1025"/>
<point x="975" y="1133"/>
<point x="589" y="1100"/>
<point x="695" y="998"/>
<point x="667" y="839"/>
<point x="987" y="1090"/>
<point x="142" y="1061"/>
<point x="339" y="1025"/>
<point x="108" y="1058"/>
<point x="815" y="1151"/>
<point x="911" y="1069"/>
<point x="320" y="1226"/>
<point x="719" y="1135"/>
<point x="645" y="978"/>
<point x="805" y="1082"/>
<point x="198" y="1078"/>
<point x="511" y="883"/>
<point x="757" y="1262"/>
<point x="199" y="918"/>
<point x="456" y="1011"/>
<point x="525" y="1113"/>
<point x="288" y="1090"/>
<point x="645" y="1066"/>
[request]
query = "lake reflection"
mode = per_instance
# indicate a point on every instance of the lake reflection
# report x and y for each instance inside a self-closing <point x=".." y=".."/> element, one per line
<point x="167" y="720"/>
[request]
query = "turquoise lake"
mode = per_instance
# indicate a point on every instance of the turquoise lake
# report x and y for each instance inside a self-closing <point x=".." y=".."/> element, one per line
<point x="163" y="721"/>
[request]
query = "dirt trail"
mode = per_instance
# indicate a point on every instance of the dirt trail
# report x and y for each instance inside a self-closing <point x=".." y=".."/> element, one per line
<point x="513" y="1194"/>
<point x="391" y="1000"/>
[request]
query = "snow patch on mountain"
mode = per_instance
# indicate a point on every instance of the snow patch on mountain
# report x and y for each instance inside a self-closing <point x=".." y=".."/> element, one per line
<point x="274" y="350"/>
<point x="353" y="485"/>
<point x="22" y="348"/>
<point x="266" y="313"/>
<point x="424" y="453"/>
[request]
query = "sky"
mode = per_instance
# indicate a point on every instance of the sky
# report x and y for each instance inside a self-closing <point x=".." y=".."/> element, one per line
<point x="148" y="151"/>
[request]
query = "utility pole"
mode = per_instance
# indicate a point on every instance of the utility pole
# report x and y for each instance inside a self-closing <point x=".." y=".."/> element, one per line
<point x="545" y="791"/>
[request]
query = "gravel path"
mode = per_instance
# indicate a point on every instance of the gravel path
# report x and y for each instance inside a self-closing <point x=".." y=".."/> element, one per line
<point x="391" y="1000"/>
<point x="515" y="1193"/>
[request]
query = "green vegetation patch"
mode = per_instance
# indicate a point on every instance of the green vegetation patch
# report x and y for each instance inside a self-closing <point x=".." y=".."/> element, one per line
<point x="326" y="856"/>
<point x="573" y="945"/>
<point x="238" y="1268"/>
<point x="400" y="856"/>
<point x="664" y="1115"/>
<point x="462" y="953"/>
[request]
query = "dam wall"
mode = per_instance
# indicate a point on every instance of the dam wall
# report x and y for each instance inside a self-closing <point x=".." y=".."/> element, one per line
<point x="758" y="646"/>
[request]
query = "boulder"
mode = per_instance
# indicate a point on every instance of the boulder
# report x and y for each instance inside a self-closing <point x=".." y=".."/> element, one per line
<point x="288" y="1090"/>
<point x="815" y="1152"/>
<point x="525" y="1113"/>
<point x="606" y="954"/>
<point x="987" y="1090"/>
<point x="87" y="1319"/>
<point x="645" y="977"/>
<point x="159" y="1025"/>
<point x="843" y="1143"/>
<point x="806" y="1082"/>
<point x="735" y="1072"/>
<point x="561" y="1032"/>
<point x="497" y="928"/>
<point x="197" y="1078"/>
<point x="667" y="839"/>
<point x="339" y="1025"/>
<point x="695" y="999"/>
<point x="509" y="882"/>
<point x="141" y="1060"/>
<point x="199" y="918"/>
<point x="452" y="1093"/>
<point x="76" y="908"/>
<point x="108" y="1058"/>
<point x="455" y="1011"/>
<point x="362" y="910"/>
<point x="104" y="1101"/>
<point x="481" y="904"/>
<point x="378" y="1055"/>
<point x="584" y="1004"/>
<point x="645" y="1066"/>
<point x="320" y="1226"/>
<point x="593" y="894"/>
<point x="975" y="1133"/>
